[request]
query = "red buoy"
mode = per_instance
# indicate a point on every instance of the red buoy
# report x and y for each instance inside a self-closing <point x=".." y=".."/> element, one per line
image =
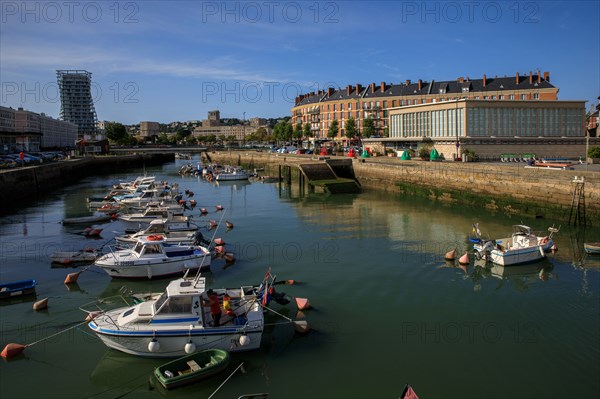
<point x="302" y="303"/>
<point x="72" y="278"/>
<point x="12" y="350"/>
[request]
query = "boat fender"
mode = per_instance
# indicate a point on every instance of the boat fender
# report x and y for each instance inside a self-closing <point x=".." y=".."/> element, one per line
<point x="154" y="345"/>
<point x="244" y="340"/>
<point x="155" y="237"/>
<point x="190" y="347"/>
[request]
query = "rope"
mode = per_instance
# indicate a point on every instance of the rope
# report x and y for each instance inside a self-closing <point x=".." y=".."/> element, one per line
<point x="277" y="313"/>
<point x="227" y="379"/>
<point x="55" y="334"/>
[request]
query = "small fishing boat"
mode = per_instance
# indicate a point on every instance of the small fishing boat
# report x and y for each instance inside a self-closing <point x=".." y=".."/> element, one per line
<point x="17" y="288"/>
<point x="232" y="174"/>
<point x="176" y="220"/>
<point x="522" y="247"/>
<point x="87" y="219"/>
<point x="68" y="257"/>
<point x="151" y="258"/>
<point x="193" y="236"/>
<point x="592" y="247"/>
<point x="192" y="368"/>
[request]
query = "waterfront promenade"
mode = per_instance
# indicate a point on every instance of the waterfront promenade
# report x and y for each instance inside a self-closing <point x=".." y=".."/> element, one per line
<point x="505" y="187"/>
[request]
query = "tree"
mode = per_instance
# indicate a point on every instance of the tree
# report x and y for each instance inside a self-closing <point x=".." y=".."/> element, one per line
<point x="368" y="127"/>
<point x="306" y="130"/>
<point x="594" y="152"/>
<point x="350" y="128"/>
<point x="117" y="133"/>
<point x="297" y="134"/>
<point x="333" y="129"/>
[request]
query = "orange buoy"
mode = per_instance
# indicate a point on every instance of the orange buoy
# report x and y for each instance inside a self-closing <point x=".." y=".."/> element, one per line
<point x="219" y="207"/>
<point x="219" y="241"/>
<point x="155" y="237"/>
<point x="72" y="278"/>
<point x="451" y="255"/>
<point x="229" y="257"/>
<point x="228" y="224"/>
<point x="193" y="202"/>
<point x="11" y="350"/>
<point x="203" y="211"/>
<point x="302" y="303"/>
<point x="301" y="326"/>
<point x="464" y="260"/>
<point x="41" y="304"/>
<point x="212" y="223"/>
<point x="220" y="249"/>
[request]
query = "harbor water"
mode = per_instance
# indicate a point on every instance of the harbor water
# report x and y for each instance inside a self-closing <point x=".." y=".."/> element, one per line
<point x="387" y="309"/>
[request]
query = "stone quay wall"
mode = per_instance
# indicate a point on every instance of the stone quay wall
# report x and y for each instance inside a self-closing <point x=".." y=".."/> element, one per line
<point x="508" y="188"/>
<point x="32" y="181"/>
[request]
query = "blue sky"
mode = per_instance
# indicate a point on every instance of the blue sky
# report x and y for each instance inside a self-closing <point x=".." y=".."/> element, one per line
<point x="174" y="61"/>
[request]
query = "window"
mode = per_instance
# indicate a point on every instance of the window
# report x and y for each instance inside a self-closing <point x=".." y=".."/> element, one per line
<point x="536" y="96"/>
<point x="511" y="96"/>
<point x="502" y="97"/>
<point x="523" y="96"/>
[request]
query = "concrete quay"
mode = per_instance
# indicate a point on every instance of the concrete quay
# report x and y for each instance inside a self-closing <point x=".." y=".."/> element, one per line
<point x="30" y="182"/>
<point x="506" y="188"/>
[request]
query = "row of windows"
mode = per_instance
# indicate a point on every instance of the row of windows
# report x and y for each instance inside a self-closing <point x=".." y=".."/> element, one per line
<point x="401" y="103"/>
<point x="486" y="122"/>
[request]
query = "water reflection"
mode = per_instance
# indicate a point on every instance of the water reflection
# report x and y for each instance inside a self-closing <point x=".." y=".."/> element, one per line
<point x="521" y="277"/>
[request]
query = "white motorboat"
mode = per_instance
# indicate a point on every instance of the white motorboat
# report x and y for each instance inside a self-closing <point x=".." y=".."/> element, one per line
<point x="231" y="174"/>
<point x="138" y="221"/>
<point x="178" y="322"/>
<point x="522" y="247"/>
<point x="152" y="258"/>
<point x="140" y="180"/>
<point x="193" y="236"/>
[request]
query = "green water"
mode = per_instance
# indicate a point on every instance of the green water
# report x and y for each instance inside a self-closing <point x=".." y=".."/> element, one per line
<point x="387" y="309"/>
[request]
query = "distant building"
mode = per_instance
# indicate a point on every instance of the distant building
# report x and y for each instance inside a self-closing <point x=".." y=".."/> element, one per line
<point x="373" y="101"/>
<point x="22" y="130"/>
<point x="213" y="126"/>
<point x="149" y="129"/>
<point x="490" y="128"/>
<point x="76" y="102"/>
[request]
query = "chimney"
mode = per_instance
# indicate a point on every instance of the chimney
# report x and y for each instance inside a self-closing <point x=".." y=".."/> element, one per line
<point x="349" y="89"/>
<point x="358" y="88"/>
<point x="372" y="87"/>
<point x="330" y="91"/>
<point x="539" y="77"/>
<point x="484" y="80"/>
<point x="461" y="80"/>
<point x="517" y="78"/>
<point x="420" y="84"/>
<point x="407" y="82"/>
<point x="382" y="87"/>
<point x="547" y="76"/>
<point x="297" y="100"/>
<point x="468" y="79"/>
<point x="530" y="78"/>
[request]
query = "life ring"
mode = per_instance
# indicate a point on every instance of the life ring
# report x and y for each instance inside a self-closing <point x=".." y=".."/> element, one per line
<point x="155" y="238"/>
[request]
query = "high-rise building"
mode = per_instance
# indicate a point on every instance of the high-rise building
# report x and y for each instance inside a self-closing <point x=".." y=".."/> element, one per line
<point x="76" y="102"/>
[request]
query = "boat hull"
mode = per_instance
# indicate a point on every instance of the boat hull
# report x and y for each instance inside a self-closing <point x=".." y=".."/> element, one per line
<point x="17" y="288"/>
<point x="592" y="247"/>
<point x="172" y="342"/>
<point x="159" y="269"/>
<point x="517" y="257"/>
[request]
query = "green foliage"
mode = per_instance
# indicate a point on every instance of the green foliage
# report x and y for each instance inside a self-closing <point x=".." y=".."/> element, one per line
<point x="306" y="130"/>
<point x="283" y="131"/>
<point x="297" y="133"/>
<point x="424" y="151"/>
<point x="594" y="152"/>
<point x="368" y="127"/>
<point x="333" y="129"/>
<point x="117" y="133"/>
<point x="350" y="128"/>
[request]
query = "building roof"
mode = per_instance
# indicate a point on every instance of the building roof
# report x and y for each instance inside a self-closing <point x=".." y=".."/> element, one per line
<point x="421" y="88"/>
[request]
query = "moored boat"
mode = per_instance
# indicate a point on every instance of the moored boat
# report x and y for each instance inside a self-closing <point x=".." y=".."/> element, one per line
<point x="178" y="321"/>
<point x="592" y="247"/>
<point x="68" y="257"/>
<point x="87" y="219"/>
<point x="522" y="247"/>
<point x="151" y="258"/>
<point x="232" y="174"/>
<point x="193" y="236"/>
<point x="192" y="368"/>
<point x="17" y="288"/>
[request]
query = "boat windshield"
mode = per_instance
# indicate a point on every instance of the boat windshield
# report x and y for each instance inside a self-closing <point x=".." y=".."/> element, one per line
<point x="138" y="248"/>
<point x="160" y="301"/>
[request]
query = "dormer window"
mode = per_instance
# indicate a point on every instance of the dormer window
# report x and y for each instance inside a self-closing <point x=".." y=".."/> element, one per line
<point x="465" y="89"/>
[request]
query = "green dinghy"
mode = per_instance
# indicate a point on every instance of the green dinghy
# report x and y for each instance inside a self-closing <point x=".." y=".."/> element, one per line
<point x="192" y="368"/>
